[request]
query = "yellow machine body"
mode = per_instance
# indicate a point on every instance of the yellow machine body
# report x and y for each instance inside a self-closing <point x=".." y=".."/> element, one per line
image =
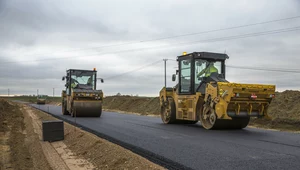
<point x="41" y="99"/>
<point x="81" y="99"/>
<point x="222" y="105"/>
<point x="83" y="104"/>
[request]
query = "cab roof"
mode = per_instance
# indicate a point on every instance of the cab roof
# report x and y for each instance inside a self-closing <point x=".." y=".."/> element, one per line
<point x="206" y="55"/>
<point x="82" y="70"/>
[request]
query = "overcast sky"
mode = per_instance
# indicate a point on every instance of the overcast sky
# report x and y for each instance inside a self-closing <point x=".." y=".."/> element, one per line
<point x="85" y="34"/>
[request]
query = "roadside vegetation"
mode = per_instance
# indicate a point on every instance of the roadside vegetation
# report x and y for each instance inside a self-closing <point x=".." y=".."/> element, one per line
<point x="284" y="109"/>
<point x="33" y="99"/>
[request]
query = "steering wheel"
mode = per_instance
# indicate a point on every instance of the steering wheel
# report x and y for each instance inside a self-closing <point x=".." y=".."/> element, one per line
<point x="200" y="78"/>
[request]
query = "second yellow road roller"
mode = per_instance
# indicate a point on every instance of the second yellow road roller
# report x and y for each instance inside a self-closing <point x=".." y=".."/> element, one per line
<point x="81" y="98"/>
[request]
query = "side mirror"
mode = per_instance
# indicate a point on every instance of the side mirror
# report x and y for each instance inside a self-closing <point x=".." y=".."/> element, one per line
<point x="173" y="77"/>
<point x="101" y="79"/>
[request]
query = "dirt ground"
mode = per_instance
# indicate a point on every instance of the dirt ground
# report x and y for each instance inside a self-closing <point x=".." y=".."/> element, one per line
<point x="21" y="145"/>
<point x="33" y="99"/>
<point x="284" y="109"/>
<point x="140" y="105"/>
<point x="285" y="112"/>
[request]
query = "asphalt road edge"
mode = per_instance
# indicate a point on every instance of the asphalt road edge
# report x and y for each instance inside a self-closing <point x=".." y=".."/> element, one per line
<point x="155" y="158"/>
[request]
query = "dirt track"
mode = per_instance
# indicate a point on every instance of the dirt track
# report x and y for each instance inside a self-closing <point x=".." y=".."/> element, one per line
<point x="284" y="109"/>
<point x="22" y="147"/>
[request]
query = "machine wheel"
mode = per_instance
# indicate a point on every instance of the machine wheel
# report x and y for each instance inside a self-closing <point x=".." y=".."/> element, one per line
<point x="210" y="121"/>
<point x="168" y="113"/>
<point x="73" y="113"/>
<point x="64" y="109"/>
<point x="208" y="118"/>
<point x="73" y="110"/>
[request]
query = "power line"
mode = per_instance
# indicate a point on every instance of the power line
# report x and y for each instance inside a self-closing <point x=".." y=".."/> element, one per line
<point x="264" y="69"/>
<point x="222" y="29"/>
<point x="176" y="36"/>
<point x="137" y="69"/>
<point x="261" y="69"/>
<point x="174" y="44"/>
<point x="236" y="67"/>
<point x="158" y="61"/>
<point x="171" y="59"/>
<point x="245" y="35"/>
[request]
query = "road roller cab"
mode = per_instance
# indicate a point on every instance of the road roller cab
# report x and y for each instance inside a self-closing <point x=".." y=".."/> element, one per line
<point x="203" y="94"/>
<point x="81" y="98"/>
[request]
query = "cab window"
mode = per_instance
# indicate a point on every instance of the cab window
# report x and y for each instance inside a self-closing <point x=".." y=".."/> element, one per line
<point x="185" y="77"/>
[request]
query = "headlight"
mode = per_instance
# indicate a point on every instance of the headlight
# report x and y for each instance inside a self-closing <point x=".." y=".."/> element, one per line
<point x="221" y="91"/>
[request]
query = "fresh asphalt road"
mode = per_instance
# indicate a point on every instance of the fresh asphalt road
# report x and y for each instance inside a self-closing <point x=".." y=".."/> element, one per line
<point x="195" y="147"/>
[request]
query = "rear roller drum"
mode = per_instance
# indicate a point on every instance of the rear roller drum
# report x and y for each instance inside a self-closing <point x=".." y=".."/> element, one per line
<point x="210" y="121"/>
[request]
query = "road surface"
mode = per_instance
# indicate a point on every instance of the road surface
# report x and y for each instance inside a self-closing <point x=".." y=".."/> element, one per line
<point x="193" y="147"/>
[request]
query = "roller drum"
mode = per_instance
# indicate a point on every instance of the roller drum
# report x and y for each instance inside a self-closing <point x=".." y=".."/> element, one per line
<point x="41" y="101"/>
<point x="87" y="108"/>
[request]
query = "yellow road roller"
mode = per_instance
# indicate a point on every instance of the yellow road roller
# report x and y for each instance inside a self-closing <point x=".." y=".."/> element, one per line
<point x="41" y="99"/>
<point x="203" y="94"/>
<point x="81" y="98"/>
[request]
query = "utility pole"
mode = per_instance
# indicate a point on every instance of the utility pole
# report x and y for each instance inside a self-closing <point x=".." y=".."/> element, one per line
<point x="8" y="92"/>
<point x="165" y="61"/>
<point x="37" y="92"/>
<point x="53" y="92"/>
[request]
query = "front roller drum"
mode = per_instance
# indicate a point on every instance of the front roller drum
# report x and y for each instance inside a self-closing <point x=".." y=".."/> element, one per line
<point x="39" y="101"/>
<point x="87" y="108"/>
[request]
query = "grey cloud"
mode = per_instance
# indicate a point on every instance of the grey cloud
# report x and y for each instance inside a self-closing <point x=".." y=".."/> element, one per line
<point x="48" y="27"/>
<point x="29" y="22"/>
